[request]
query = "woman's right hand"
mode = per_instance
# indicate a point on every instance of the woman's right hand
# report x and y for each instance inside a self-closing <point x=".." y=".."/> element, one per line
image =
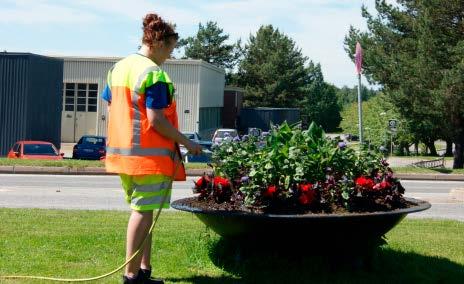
<point x="194" y="148"/>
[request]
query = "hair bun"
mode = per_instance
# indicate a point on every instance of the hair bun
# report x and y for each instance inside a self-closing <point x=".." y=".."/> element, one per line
<point x="151" y="20"/>
<point x="156" y="29"/>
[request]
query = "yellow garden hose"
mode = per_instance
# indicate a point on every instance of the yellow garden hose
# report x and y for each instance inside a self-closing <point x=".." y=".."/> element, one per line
<point x="178" y="161"/>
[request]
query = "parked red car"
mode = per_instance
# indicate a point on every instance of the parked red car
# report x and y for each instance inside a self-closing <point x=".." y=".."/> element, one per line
<point x="34" y="150"/>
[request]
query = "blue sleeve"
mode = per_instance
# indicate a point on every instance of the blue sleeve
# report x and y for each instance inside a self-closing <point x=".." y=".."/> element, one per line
<point x="156" y="96"/>
<point x="106" y="95"/>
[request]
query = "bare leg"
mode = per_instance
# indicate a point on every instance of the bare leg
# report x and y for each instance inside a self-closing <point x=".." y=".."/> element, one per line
<point x="137" y="228"/>
<point x="146" y="256"/>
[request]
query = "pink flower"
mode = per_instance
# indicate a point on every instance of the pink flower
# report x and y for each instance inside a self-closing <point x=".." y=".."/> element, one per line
<point x="385" y="184"/>
<point x="382" y="185"/>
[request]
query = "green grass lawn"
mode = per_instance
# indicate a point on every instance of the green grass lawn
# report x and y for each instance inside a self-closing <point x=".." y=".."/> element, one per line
<point x="49" y="163"/>
<point x="78" y="244"/>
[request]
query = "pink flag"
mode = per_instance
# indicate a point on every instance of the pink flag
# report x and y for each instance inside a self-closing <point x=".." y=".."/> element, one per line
<point x="358" y="58"/>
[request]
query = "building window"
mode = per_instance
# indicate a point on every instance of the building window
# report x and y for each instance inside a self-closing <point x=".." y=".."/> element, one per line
<point x="69" y="96"/>
<point x="81" y="97"/>
<point x="92" y="97"/>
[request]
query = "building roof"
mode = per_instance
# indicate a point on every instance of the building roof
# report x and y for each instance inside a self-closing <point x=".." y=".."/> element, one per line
<point x="169" y="61"/>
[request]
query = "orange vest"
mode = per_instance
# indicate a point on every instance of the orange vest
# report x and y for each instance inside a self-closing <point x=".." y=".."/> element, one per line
<point x="133" y="146"/>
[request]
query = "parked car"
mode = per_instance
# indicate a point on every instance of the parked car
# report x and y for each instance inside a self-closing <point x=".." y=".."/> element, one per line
<point x="40" y="150"/>
<point x="204" y="157"/>
<point x="90" y="147"/>
<point x="253" y="131"/>
<point x="194" y="136"/>
<point x="224" y="134"/>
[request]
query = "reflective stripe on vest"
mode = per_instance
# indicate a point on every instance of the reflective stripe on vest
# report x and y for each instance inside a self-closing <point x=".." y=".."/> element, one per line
<point x="138" y="151"/>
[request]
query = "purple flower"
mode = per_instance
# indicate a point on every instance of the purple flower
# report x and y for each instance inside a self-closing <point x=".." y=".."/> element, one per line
<point x="244" y="179"/>
<point x="341" y="145"/>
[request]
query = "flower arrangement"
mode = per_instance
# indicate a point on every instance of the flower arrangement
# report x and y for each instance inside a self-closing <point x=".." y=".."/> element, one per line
<point x="298" y="171"/>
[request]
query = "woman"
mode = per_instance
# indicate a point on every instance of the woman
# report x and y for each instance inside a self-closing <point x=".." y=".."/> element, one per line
<point x="143" y="136"/>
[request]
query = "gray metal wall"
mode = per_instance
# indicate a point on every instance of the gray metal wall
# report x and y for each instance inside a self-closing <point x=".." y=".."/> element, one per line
<point x="197" y="84"/>
<point x="89" y="70"/>
<point x="30" y="99"/>
<point x="263" y="117"/>
<point x="212" y="83"/>
<point x="185" y="74"/>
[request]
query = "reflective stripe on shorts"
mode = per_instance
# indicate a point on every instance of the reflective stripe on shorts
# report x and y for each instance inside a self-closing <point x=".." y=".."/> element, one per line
<point x="147" y="192"/>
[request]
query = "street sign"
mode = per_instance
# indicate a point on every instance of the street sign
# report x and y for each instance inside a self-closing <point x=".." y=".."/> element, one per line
<point x="393" y="124"/>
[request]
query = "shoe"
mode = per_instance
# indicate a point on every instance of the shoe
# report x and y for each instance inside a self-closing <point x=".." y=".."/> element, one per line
<point x="144" y="277"/>
<point x="127" y="280"/>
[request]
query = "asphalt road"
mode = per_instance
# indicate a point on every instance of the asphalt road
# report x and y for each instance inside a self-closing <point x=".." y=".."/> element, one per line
<point x="105" y="193"/>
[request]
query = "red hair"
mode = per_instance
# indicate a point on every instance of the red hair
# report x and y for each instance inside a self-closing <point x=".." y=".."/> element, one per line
<point x="156" y="29"/>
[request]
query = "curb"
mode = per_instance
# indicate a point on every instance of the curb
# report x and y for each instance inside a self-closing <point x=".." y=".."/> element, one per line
<point x="191" y="172"/>
<point x="438" y="177"/>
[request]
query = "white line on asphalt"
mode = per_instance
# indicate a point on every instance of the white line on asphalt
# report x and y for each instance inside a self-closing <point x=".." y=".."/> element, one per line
<point x="431" y="181"/>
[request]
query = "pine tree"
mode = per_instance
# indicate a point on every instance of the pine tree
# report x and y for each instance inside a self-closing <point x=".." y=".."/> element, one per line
<point x="413" y="50"/>
<point x="210" y="45"/>
<point x="273" y="70"/>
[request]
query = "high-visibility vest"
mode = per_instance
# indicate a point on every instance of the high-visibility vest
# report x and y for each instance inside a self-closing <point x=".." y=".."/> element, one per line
<point x="133" y="146"/>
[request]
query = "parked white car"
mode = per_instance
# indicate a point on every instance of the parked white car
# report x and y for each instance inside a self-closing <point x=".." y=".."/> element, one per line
<point x="224" y="134"/>
<point x="204" y="157"/>
<point x="194" y="136"/>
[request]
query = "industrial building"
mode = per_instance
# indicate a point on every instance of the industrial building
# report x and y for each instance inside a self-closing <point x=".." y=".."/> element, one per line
<point x="199" y="91"/>
<point x="30" y="98"/>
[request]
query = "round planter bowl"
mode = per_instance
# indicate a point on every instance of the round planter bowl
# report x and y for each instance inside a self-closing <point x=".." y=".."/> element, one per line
<point x="356" y="227"/>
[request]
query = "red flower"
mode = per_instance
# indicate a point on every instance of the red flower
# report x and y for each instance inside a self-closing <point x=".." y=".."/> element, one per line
<point x="364" y="182"/>
<point x="202" y="182"/>
<point x="303" y="199"/>
<point x="221" y="181"/>
<point x="305" y="187"/>
<point x="307" y="193"/>
<point x="270" y="191"/>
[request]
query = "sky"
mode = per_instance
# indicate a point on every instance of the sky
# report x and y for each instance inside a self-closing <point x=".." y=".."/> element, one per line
<point x="112" y="28"/>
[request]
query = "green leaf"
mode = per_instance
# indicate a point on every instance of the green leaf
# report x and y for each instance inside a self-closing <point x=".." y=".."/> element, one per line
<point x="315" y="131"/>
<point x="287" y="182"/>
<point x="252" y="173"/>
<point x="345" y="195"/>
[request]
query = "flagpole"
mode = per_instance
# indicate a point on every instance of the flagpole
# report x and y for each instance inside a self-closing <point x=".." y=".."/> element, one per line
<point x="358" y="63"/>
<point x="360" y="119"/>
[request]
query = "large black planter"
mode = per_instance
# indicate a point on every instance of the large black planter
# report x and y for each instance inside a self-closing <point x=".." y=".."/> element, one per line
<point x="353" y="227"/>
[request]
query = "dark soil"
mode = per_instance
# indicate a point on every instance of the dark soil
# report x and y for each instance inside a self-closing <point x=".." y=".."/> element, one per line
<point x="210" y="204"/>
